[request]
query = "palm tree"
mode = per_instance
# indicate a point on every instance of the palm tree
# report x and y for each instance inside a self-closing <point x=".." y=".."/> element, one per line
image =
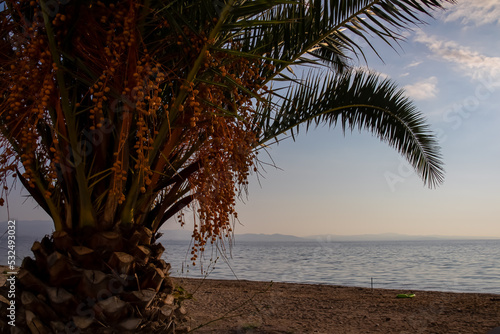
<point x="117" y="115"/>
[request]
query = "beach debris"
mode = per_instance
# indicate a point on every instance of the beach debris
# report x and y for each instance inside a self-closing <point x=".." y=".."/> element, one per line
<point x="405" y="295"/>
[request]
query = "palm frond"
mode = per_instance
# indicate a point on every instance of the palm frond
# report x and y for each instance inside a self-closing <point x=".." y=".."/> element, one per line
<point x="287" y="30"/>
<point x="359" y="100"/>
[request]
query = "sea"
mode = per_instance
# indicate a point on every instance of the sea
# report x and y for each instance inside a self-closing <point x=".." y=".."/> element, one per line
<point x="436" y="265"/>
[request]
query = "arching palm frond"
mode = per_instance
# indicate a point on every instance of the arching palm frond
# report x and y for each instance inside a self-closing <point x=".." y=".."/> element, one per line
<point x="359" y="100"/>
<point x="289" y="33"/>
<point x="303" y="31"/>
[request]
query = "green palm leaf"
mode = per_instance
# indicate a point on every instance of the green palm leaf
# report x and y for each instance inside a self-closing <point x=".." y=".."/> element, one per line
<point x="325" y="29"/>
<point x="357" y="100"/>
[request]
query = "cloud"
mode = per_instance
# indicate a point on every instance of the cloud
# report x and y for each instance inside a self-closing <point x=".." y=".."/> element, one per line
<point x="414" y="64"/>
<point x="423" y="90"/>
<point x="367" y="69"/>
<point x="467" y="61"/>
<point x="478" y="12"/>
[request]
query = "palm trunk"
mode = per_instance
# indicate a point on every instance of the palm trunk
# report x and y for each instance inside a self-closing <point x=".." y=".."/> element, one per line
<point x="97" y="282"/>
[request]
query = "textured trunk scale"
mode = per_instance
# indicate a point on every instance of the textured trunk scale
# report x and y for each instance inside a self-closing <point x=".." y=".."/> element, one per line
<point x="96" y="282"/>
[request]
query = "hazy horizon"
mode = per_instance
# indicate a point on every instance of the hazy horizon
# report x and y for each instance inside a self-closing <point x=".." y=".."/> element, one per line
<point x="38" y="228"/>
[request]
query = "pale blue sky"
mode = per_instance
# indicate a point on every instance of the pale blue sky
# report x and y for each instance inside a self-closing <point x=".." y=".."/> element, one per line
<point x="357" y="185"/>
<point x="331" y="184"/>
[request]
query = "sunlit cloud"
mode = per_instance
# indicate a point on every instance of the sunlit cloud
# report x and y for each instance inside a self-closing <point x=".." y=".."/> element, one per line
<point x="423" y="90"/>
<point x="477" y="12"/>
<point x="414" y="64"/>
<point x="467" y="61"/>
<point x="382" y="75"/>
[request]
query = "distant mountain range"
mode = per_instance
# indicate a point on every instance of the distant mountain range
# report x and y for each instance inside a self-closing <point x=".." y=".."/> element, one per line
<point x="339" y="238"/>
<point x="38" y="228"/>
<point x="183" y="235"/>
<point x="179" y="235"/>
<point x="268" y="238"/>
<point x="390" y="237"/>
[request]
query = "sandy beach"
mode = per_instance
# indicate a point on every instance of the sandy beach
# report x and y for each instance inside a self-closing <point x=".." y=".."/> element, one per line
<point x="265" y="307"/>
<point x="227" y="306"/>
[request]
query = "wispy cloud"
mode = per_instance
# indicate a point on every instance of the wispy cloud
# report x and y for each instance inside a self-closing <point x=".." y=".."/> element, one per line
<point x="371" y="70"/>
<point x="477" y="12"/>
<point x="469" y="62"/>
<point x="423" y="90"/>
<point x="414" y="64"/>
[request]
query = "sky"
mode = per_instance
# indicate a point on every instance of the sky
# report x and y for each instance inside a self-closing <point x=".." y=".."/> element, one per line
<point x="326" y="183"/>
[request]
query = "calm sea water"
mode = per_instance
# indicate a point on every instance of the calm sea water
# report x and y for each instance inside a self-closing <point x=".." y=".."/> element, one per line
<point x="451" y="265"/>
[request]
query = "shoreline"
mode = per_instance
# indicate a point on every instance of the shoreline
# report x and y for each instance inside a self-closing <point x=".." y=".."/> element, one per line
<point x="376" y="286"/>
<point x="231" y="306"/>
